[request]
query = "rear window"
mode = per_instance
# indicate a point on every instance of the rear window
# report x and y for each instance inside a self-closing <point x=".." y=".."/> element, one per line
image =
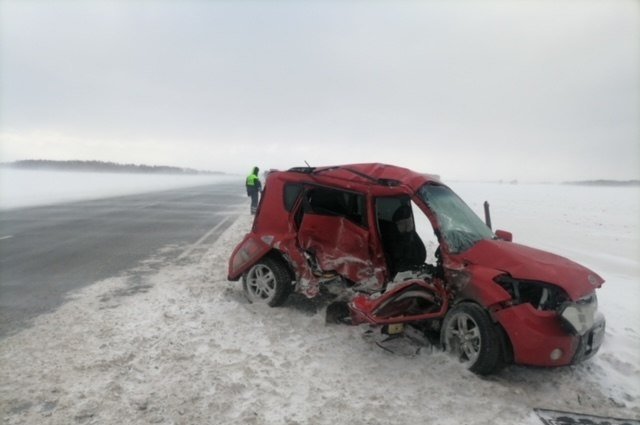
<point x="291" y="194"/>
<point x="335" y="202"/>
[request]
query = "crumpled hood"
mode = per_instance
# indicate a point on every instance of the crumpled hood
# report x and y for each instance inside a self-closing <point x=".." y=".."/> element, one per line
<point x="523" y="262"/>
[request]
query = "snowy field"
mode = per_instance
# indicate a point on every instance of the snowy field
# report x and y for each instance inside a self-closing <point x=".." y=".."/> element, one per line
<point x="173" y="342"/>
<point x="27" y="188"/>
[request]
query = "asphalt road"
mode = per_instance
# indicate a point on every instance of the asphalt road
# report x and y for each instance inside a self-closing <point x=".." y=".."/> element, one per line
<point x="46" y="252"/>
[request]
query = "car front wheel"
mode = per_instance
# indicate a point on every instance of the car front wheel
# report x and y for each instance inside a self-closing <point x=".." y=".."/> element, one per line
<point x="469" y="334"/>
<point x="268" y="281"/>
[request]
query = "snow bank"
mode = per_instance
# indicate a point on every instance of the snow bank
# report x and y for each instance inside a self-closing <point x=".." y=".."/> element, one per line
<point x="174" y="342"/>
<point x="26" y="188"/>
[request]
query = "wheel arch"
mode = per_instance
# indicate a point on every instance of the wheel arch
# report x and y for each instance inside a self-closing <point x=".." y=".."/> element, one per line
<point x="280" y="256"/>
<point x="505" y="340"/>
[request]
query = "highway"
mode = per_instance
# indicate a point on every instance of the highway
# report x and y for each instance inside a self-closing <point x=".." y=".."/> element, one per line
<point x="46" y="252"/>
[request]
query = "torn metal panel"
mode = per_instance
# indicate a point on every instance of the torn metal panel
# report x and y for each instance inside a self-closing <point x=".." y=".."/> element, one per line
<point x="558" y="417"/>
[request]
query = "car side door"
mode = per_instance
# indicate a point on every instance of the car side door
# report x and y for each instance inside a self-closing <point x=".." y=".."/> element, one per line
<point x="334" y="232"/>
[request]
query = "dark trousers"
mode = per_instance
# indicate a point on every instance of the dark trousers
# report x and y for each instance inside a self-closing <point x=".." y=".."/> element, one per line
<point x="254" y="200"/>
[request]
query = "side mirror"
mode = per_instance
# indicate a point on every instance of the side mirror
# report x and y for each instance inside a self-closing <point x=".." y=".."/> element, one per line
<point x="504" y="235"/>
<point x="487" y="214"/>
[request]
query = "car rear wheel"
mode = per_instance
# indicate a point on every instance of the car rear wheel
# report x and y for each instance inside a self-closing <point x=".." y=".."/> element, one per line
<point x="469" y="334"/>
<point x="268" y="281"/>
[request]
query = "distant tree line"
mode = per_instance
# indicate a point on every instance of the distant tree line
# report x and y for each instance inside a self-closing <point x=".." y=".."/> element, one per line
<point x="101" y="166"/>
<point x="606" y="183"/>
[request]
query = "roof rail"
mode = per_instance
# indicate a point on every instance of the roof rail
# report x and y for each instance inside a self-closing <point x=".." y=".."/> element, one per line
<point x="383" y="182"/>
<point x="304" y="170"/>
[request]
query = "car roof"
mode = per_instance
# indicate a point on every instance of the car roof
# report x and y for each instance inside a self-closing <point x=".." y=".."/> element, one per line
<point x="365" y="176"/>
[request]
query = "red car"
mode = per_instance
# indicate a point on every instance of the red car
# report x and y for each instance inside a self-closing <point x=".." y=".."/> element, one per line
<point x="488" y="300"/>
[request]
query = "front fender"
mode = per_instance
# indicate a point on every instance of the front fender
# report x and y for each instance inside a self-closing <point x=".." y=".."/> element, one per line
<point x="476" y="283"/>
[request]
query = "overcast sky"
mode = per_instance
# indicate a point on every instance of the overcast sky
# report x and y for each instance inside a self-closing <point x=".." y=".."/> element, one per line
<point x="528" y="90"/>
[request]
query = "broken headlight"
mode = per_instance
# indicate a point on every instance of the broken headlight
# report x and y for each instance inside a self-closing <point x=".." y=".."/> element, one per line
<point x="580" y="315"/>
<point x="542" y="296"/>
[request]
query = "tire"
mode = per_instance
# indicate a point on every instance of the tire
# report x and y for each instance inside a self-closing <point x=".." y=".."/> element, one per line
<point x="469" y="334"/>
<point x="268" y="281"/>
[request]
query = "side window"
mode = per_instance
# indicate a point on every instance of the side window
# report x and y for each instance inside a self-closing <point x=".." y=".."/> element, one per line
<point x="335" y="202"/>
<point x="385" y="209"/>
<point x="426" y="233"/>
<point x="291" y="194"/>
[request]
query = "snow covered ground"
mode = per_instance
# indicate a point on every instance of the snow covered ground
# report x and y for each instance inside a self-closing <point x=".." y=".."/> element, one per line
<point x="27" y="188"/>
<point x="173" y="342"/>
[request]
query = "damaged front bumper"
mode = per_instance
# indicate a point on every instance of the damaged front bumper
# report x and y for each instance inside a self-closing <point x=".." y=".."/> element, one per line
<point x="591" y="341"/>
<point x="544" y="338"/>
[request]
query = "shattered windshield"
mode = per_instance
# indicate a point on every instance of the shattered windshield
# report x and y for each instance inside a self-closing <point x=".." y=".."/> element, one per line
<point x="459" y="225"/>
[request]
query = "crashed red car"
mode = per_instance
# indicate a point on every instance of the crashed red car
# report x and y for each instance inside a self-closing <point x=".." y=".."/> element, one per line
<point x="488" y="300"/>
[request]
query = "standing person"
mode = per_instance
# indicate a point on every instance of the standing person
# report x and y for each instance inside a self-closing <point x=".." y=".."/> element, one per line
<point x="253" y="188"/>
